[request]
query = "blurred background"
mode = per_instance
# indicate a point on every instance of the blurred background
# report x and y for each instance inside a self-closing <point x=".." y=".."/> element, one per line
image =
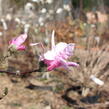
<point x="84" y="22"/>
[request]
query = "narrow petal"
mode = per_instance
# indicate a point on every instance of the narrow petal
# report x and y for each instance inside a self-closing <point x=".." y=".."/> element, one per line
<point x="33" y="44"/>
<point x="69" y="49"/>
<point x="74" y="64"/>
<point x="59" y="48"/>
<point x="52" y="40"/>
<point x="64" y="64"/>
<point x="13" y="40"/>
<point x="50" y="55"/>
<point x="21" y="47"/>
<point x="53" y="65"/>
<point x="21" y="39"/>
<point x="42" y="46"/>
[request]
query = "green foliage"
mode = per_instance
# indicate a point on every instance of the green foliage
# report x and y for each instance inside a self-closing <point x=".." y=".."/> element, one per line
<point x="106" y="2"/>
<point x="16" y="104"/>
<point x="5" y="91"/>
<point x="75" y="3"/>
<point x="67" y="107"/>
<point x="19" y="3"/>
<point x="87" y="4"/>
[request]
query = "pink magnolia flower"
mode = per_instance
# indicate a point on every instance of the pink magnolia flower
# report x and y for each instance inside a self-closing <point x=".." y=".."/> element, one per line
<point x="18" y="41"/>
<point x="58" y="55"/>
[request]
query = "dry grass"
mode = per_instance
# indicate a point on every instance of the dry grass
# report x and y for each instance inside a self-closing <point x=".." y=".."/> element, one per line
<point x="65" y="90"/>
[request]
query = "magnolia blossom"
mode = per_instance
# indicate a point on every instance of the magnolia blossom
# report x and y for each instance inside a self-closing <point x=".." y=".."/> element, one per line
<point x="58" y="55"/>
<point x="17" y="42"/>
